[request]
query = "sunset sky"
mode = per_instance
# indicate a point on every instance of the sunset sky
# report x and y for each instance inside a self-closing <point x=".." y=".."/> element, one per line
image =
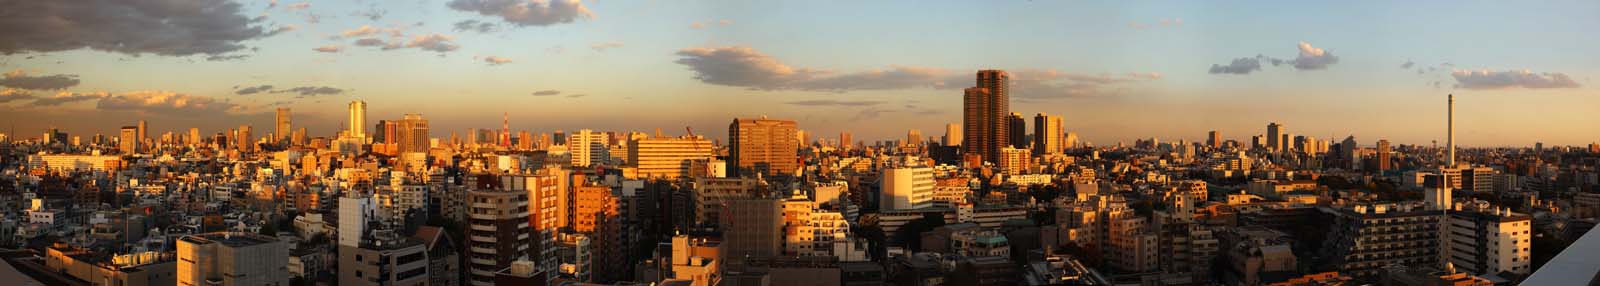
<point x="1522" y="72"/>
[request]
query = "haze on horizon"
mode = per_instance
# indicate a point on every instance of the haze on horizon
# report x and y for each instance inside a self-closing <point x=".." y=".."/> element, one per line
<point x="1116" y="71"/>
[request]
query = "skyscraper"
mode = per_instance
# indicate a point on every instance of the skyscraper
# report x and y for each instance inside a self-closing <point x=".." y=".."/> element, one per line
<point x="984" y="110"/>
<point x="1017" y="135"/>
<point x="243" y="139"/>
<point x="844" y="141"/>
<point x="587" y="148"/>
<point x="281" y="130"/>
<point x="144" y="131"/>
<point x="128" y="142"/>
<point x="952" y="135"/>
<point x="1047" y="134"/>
<point x="1275" y="142"/>
<point x="413" y="134"/>
<point x="913" y="137"/>
<point x="1384" y="156"/>
<point x="1214" y="139"/>
<point x="358" y="119"/>
<point x="761" y="145"/>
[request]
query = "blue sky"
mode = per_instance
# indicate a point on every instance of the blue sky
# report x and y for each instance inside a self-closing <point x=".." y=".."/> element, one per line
<point x="1116" y="70"/>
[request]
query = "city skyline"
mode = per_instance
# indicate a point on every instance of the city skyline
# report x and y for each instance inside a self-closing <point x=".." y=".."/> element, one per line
<point x="1162" y="71"/>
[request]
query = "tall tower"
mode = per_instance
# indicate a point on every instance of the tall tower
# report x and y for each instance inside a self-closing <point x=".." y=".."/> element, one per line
<point x="281" y="130"/>
<point x="144" y="132"/>
<point x="1046" y="134"/>
<point x="358" y="119"/>
<point x="1450" y="133"/>
<point x="985" y="108"/>
<point x="1275" y="137"/>
<point x="952" y="135"/>
<point x="505" y="130"/>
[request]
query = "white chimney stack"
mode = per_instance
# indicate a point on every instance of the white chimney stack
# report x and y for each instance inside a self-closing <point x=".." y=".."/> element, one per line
<point x="1450" y="139"/>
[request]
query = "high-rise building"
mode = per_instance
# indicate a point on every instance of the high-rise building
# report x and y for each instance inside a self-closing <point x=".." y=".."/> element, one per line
<point x="913" y="137"/>
<point x="1384" y="157"/>
<point x="128" y="142"/>
<point x="383" y="132"/>
<point x="498" y="220"/>
<point x="144" y="131"/>
<point x="413" y="134"/>
<point x="587" y="148"/>
<point x="1485" y="240"/>
<point x="358" y="119"/>
<point x="1214" y="139"/>
<point x="762" y="145"/>
<point x="1047" y="132"/>
<point x="1018" y="134"/>
<point x="1365" y="238"/>
<point x="194" y="136"/>
<point x="1275" y="142"/>
<point x="667" y="157"/>
<point x="952" y="135"/>
<point x="244" y="139"/>
<point x="844" y="141"/>
<point x="282" y="130"/>
<point x="548" y="211"/>
<point x="1014" y="160"/>
<point x="907" y="186"/>
<point x="232" y="259"/>
<point x="984" y="110"/>
<point x="754" y="229"/>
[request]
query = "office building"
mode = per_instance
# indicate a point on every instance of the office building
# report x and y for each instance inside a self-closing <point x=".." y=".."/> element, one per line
<point x="384" y="258"/>
<point x="282" y="129"/>
<point x="667" y="157"/>
<point x="358" y="119"/>
<point x="984" y="110"/>
<point x="844" y="141"/>
<point x="1275" y="142"/>
<point x="232" y="259"/>
<point x="1014" y="160"/>
<point x="1047" y="132"/>
<point x="913" y="138"/>
<point x="755" y="228"/>
<point x="906" y="186"/>
<point x="1214" y="139"/>
<point x="243" y="139"/>
<point x="128" y="142"/>
<point x="952" y="135"/>
<point x="1385" y="156"/>
<point x="762" y="145"/>
<point x="1018" y="131"/>
<point x="413" y="134"/>
<point x="588" y="148"/>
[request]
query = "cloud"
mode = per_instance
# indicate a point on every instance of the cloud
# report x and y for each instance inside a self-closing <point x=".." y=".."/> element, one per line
<point x="311" y="90"/>
<point x="1408" y="64"/>
<point x="163" y="102"/>
<point x="1048" y="83"/>
<point x="20" y="79"/>
<point x="745" y="67"/>
<point x="12" y="94"/>
<point x="166" y="28"/>
<point x="1309" y="58"/>
<point x="433" y="42"/>
<point x="375" y="42"/>
<point x="548" y="92"/>
<point x="495" y="61"/>
<point x="601" y="47"/>
<point x="1486" y="79"/>
<point x="526" y="13"/>
<point x="697" y="25"/>
<point x="328" y="49"/>
<point x="830" y="102"/>
<point x="1238" y="66"/>
<point x="253" y="89"/>
<point x="1313" y="58"/>
<point x="373" y="14"/>
<point x="475" y="26"/>
<point x="1174" y="22"/>
<point x="67" y="97"/>
<point x="298" y="6"/>
<point x="576" y="95"/>
<point x="725" y="22"/>
<point x="1163" y="23"/>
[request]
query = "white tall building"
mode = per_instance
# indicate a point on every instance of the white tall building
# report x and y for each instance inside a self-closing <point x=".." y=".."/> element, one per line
<point x="354" y="213"/>
<point x="907" y="186"/>
<point x="952" y="135"/>
<point x="587" y="148"/>
<point x="358" y="119"/>
<point x="1483" y="240"/>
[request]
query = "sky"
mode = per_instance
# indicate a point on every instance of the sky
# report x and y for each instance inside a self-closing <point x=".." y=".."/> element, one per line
<point x="1116" y="71"/>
